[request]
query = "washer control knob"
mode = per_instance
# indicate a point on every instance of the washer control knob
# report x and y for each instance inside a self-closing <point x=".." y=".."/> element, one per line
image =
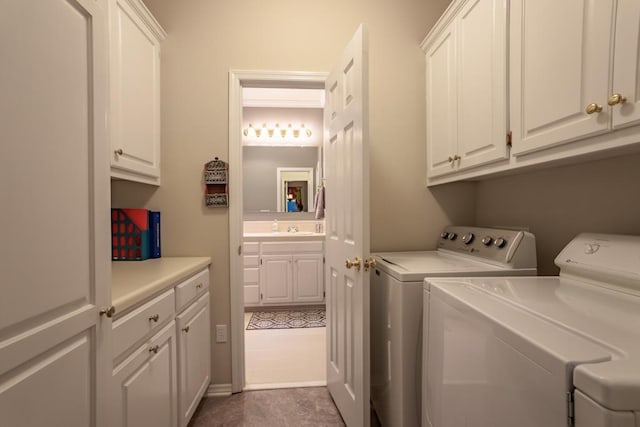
<point x="499" y="242"/>
<point x="487" y="240"/>
<point x="444" y="234"/>
<point x="468" y="238"/>
<point x="452" y="236"/>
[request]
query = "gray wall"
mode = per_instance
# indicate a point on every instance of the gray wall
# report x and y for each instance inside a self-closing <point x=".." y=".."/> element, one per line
<point x="557" y="204"/>
<point x="259" y="172"/>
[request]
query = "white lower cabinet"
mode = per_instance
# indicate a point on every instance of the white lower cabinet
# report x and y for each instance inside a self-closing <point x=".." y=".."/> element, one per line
<point x="162" y="357"/>
<point x="194" y="349"/>
<point x="276" y="279"/>
<point x="283" y="273"/>
<point x="145" y="384"/>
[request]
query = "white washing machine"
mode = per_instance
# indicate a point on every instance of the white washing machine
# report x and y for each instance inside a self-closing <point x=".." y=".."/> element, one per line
<point x="540" y="351"/>
<point x="397" y="300"/>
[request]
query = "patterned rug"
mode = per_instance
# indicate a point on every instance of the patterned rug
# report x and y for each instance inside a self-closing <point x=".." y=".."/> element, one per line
<point x="288" y="319"/>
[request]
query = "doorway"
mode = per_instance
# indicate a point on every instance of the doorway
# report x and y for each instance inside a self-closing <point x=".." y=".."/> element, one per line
<point x="238" y="80"/>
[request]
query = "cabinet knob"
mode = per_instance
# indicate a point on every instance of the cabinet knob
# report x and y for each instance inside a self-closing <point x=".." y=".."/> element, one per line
<point x="593" y="108"/>
<point x="108" y="311"/>
<point x="199" y="286"/>
<point x="154" y="349"/>
<point x="616" y="99"/>
<point x="186" y="329"/>
<point x="119" y="152"/>
<point x="450" y="159"/>
<point x="355" y="263"/>
<point x="154" y="318"/>
<point x="456" y="157"/>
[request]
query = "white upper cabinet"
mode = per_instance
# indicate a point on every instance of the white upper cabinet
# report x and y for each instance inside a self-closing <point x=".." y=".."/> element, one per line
<point x="135" y="38"/>
<point x="626" y="65"/>
<point x="467" y="87"/>
<point x="559" y="70"/>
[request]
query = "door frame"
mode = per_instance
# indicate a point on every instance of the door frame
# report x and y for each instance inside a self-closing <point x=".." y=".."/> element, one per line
<point x="280" y="188"/>
<point x="237" y="80"/>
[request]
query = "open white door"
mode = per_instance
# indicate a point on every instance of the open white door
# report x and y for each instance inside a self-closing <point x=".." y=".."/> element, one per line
<point x="347" y="229"/>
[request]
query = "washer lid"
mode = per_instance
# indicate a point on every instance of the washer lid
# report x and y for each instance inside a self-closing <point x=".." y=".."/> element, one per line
<point x="415" y="266"/>
<point x="606" y="318"/>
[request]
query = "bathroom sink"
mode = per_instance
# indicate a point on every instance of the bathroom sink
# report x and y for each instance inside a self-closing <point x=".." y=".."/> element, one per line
<point x="277" y="234"/>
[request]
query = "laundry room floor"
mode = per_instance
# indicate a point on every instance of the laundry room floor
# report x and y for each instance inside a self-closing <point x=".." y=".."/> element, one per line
<point x="311" y="406"/>
<point x="284" y="358"/>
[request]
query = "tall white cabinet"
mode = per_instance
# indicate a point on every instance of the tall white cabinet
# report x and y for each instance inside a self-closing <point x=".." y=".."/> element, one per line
<point x="135" y="38"/>
<point x="54" y="174"/>
<point x="466" y="87"/>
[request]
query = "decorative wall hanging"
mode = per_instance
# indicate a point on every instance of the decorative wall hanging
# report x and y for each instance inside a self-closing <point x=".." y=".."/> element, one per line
<point x="216" y="174"/>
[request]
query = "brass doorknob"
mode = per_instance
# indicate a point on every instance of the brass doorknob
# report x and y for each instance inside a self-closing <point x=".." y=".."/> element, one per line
<point x="355" y="263"/>
<point x="370" y="263"/>
<point x="615" y="99"/>
<point x="593" y="108"/>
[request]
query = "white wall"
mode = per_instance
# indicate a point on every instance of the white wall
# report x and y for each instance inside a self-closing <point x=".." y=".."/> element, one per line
<point x="208" y="38"/>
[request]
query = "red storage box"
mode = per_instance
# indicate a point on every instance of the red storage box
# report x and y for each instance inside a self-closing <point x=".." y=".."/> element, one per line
<point x="129" y="234"/>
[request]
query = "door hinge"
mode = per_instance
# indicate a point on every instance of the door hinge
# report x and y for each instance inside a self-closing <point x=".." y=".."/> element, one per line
<point x="509" y="136"/>
<point x="324" y="294"/>
<point x="324" y="260"/>
<point x="260" y="261"/>
<point x="570" y="409"/>
<point x="240" y="250"/>
<point x="260" y="296"/>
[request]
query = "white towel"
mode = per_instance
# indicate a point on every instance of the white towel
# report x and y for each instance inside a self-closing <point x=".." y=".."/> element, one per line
<point x="319" y="203"/>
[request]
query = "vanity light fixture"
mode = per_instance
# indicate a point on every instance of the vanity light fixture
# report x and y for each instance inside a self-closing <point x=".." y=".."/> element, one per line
<point x="270" y="131"/>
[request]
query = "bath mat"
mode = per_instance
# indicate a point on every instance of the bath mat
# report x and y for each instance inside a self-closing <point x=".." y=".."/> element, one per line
<point x="288" y="319"/>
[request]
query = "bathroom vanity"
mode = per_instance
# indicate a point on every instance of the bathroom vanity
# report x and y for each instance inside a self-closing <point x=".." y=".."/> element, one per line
<point x="284" y="267"/>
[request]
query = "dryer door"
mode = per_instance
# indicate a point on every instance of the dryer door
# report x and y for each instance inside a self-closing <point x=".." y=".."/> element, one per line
<point x="493" y="365"/>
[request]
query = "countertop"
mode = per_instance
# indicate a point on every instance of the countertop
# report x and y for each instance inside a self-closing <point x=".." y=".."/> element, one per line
<point x="282" y="236"/>
<point x="135" y="281"/>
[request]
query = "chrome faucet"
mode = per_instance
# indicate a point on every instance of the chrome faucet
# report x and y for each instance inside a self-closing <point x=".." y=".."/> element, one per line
<point x="292" y="228"/>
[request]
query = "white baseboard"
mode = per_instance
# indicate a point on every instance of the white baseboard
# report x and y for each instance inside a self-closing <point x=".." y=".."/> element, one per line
<point x="218" y="390"/>
<point x="285" y="385"/>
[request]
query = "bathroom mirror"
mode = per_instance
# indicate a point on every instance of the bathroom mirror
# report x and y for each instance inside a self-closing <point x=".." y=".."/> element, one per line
<point x="274" y="176"/>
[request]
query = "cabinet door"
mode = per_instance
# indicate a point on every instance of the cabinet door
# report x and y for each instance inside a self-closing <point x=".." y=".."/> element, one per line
<point x="442" y="131"/>
<point x="559" y="65"/>
<point x="482" y="82"/>
<point x="135" y="95"/>
<point x="144" y="385"/>
<point x="275" y="280"/>
<point x="308" y="278"/>
<point x="55" y="272"/>
<point x="626" y="65"/>
<point x="194" y="365"/>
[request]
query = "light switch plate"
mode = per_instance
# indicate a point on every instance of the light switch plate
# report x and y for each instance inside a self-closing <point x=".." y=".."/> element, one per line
<point x="221" y="333"/>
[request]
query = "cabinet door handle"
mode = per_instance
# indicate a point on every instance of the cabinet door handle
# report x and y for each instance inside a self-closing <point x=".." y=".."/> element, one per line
<point x="186" y="329"/>
<point x="119" y="152"/>
<point x="154" y="318"/>
<point x="154" y="349"/>
<point x="593" y="108"/>
<point x="615" y="99"/>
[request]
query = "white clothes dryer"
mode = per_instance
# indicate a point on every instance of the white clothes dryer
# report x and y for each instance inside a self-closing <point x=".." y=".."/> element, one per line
<point x="397" y="303"/>
<point x="540" y="351"/>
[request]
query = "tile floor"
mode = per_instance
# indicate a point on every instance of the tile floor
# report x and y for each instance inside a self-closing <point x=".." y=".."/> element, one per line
<point x="311" y="406"/>
<point x="284" y="358"/>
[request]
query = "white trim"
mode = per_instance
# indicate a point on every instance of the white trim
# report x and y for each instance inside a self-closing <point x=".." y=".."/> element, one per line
<point x="280" y="207"/>
<point x="271" y="386"/>
<point x="218" y="390"/>
<point x="238" y="79"/>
